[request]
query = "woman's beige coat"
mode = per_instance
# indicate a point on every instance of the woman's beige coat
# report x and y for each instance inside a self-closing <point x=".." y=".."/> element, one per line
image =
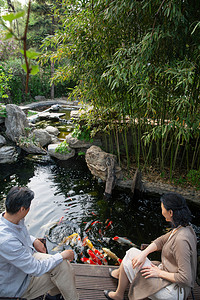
<point x="179" y="256"/>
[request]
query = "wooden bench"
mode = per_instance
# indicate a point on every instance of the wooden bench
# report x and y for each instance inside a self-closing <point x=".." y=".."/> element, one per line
<point x="92" y="280"/>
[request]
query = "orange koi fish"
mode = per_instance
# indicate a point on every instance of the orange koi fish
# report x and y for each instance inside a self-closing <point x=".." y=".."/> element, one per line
<point x="100" y="256"/>
<point x="94" y="257"/>
<point x="93" y="213"/>
<point x="119" y="261"/>
<point x="109" y="224"/>
<point x="86" y="260"/>
<point x="84" y="241"/>
<point x="95" y="222"/>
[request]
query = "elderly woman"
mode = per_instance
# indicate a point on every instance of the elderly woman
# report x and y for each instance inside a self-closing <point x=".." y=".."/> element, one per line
<point x="174" y="277"/>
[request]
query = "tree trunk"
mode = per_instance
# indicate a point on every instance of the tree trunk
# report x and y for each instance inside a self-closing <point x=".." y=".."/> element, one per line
<point x="52" y="86"/>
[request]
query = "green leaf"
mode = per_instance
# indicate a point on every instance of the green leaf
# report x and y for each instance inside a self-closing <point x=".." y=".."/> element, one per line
<point x="8" y="35"/>
<point x="30" y="54"/>
<point x="34" y="69"/>
<point x="13" y="16"/>
<point x="24" y="67"/>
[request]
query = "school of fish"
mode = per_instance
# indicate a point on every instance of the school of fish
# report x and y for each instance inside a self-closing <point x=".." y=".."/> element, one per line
<point x="94" y="256"/>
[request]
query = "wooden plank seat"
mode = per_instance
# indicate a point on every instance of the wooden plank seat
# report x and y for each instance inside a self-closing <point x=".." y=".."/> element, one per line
<point x="92" y="280"/>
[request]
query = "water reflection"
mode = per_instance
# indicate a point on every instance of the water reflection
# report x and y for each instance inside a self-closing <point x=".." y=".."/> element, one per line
<point x="68" y="199"/>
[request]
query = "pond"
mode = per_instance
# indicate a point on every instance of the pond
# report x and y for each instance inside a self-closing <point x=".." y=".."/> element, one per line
<point x="69" y="200"/>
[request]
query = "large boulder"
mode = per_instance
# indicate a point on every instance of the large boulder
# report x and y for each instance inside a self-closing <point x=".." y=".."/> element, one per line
<point x="15" y="122"/>
<point x="41" y="136"/>
<point x="2" y="140"/>
<point x="97" y="162"/>
<point x="30" y="145"/>
<point x="81" y="144"/>
<point x="52" y="130"/>
<point x="8" y="154"/>
<point x="61" y="156"/>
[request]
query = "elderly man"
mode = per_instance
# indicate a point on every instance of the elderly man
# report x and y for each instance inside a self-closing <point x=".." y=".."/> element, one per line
<point x="25" y="268"/>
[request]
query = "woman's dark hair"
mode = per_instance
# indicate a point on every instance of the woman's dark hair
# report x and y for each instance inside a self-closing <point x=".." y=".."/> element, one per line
<point x="18" y="197"/>
<point x="176" y="203"/>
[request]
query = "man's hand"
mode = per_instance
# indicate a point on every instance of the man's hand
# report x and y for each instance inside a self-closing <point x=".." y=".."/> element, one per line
<point x="68" y="254"/>
<point x="39" y="246"/>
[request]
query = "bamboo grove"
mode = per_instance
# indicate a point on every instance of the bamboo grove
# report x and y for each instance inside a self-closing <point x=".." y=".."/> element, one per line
<point x="138" y="63"/>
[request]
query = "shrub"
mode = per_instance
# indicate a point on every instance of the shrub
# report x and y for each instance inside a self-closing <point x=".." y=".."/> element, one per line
<point x="39" y="84"/>
<point x="5" y="79"/>
<point x="63" y="148"/>
<point x="194" y="178"/>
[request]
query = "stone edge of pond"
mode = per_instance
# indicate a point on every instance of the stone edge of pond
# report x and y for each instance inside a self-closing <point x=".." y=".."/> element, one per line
<point x="48" y="102"/>
<point x="158" y="188"/>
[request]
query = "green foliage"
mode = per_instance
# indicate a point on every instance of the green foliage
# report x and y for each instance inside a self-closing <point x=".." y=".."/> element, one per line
<point x="3" y="113"/>
<point x="27" y="130"/>
<point x="180" y="181"/>
<point x="13" y="16"/>
<point x="7" y="21"/>
<point x="82" y="133"/>
<point x="26" y="141"/>
<point x="41" y="22"/>
<point x="8" y="48"/>
<point x="81" y="153"/>
<point x="39" y="84"/>
<point x="63" y="148"/>
<point x="4" y="83"/>
<point x="32" y="113"/>
<point x="142" y="59"/>
<point x="194" y="178"/>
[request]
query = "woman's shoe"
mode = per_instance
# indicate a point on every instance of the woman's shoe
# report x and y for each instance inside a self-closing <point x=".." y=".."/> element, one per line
<point x="106" y="292"/>
<point x="110" y="273"/>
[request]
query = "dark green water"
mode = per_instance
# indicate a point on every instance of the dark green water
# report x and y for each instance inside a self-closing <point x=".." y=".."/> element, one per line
<point x="67" y="190"/>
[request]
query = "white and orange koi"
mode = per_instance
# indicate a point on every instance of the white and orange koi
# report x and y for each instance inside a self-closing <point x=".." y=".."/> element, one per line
<point x="100" y="256"/>
<point x="84" y="241"/>
<point x="122" y="240"/>
<point x="109" y="224"/>
<point x="66" y="240"/>
<point x="86" y="260"/>
<point x="94" y="257"/>
<point x="111" y="254"/>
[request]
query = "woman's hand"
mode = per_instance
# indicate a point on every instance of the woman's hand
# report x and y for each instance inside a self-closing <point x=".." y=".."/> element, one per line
<point x="152" y="271"/>
<point x="39" y="246"/>
<point x="68" y="254"/>
<point x="139" y="260"/>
